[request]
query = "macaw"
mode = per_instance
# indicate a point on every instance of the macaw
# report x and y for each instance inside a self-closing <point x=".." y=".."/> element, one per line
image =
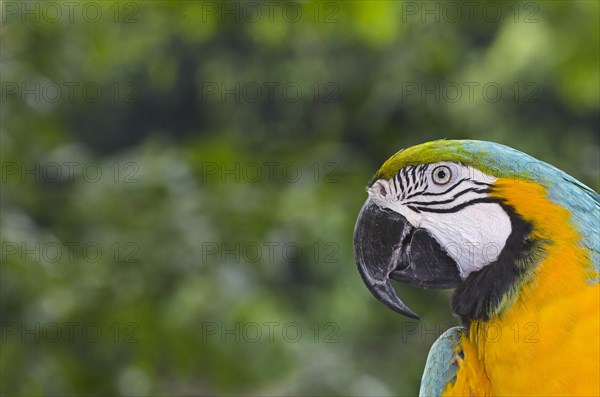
<point x="517" y="238"/>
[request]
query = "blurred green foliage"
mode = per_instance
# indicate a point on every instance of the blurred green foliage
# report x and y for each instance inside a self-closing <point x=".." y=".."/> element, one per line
<point x="207" y="269"/>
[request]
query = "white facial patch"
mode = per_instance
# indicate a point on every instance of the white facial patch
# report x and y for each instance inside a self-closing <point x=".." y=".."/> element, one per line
<point x="451" y="201"/>
<point x="473" y="236"/>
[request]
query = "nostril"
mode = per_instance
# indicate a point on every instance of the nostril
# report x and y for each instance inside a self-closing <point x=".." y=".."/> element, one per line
<point x="382" y="190"/>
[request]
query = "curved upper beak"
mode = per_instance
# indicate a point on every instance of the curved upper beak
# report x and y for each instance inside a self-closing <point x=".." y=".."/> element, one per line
<point x="387" y="246"/>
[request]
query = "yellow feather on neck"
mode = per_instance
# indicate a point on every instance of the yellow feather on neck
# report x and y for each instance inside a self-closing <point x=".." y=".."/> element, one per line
<point x="547" y="342"/>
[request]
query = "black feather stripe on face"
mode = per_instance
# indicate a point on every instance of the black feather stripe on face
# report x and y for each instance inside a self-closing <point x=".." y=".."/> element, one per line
<point x="479" y="297"/>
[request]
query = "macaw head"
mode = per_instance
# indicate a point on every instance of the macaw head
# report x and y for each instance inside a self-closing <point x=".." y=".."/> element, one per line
<point x="466" y="215"/>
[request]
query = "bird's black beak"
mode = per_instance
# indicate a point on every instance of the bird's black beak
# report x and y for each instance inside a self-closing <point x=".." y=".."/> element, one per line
<point x="387" y="246"/>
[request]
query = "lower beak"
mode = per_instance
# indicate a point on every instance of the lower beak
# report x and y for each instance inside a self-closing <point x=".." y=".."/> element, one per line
<point x="387" y="246"/>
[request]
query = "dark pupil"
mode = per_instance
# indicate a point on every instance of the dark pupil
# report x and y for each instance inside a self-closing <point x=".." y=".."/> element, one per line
<point x="441" y="174"/>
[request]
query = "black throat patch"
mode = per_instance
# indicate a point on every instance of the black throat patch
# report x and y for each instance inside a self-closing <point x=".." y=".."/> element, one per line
<point x="480" y="295"/>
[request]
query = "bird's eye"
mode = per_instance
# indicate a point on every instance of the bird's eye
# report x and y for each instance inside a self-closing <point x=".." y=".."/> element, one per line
<point x="441" y="175"/>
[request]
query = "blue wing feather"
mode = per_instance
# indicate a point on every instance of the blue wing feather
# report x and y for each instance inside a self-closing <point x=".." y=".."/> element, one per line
<point x="440" y="368"/>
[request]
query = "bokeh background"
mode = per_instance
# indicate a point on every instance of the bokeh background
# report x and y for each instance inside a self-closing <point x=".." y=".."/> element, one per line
<point x="180" y="180"/>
